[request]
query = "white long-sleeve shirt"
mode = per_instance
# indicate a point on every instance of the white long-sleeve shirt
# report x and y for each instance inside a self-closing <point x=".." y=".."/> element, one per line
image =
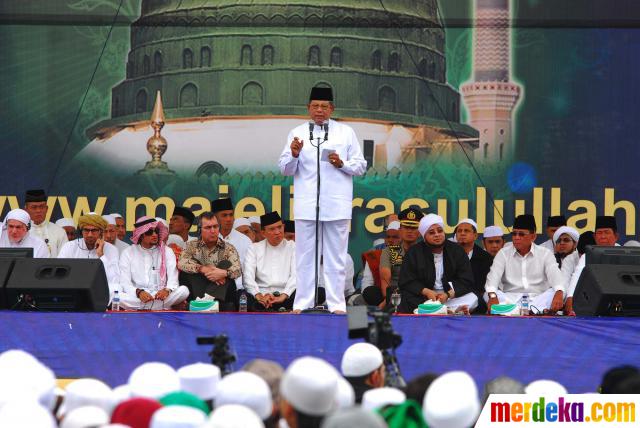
<point x="568" y="266"/>
<point x="336" y="184"/>
<point x="575" y="276"/>
<point x="53" y="236"/>
<point x="140" y="268"/>
<point x="40" y="250"/>
<point x="267" y="268"/>
<point x="77" y="249"/>
<point x="533" y="273"/>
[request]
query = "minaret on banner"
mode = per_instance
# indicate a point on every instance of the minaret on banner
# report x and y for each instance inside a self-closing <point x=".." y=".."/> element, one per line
<point x="491" y="97"/>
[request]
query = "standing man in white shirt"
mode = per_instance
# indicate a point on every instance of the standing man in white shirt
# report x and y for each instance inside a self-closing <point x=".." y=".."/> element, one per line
<point x="269" y="271"/>
<point x="525" y="268"/>
<point x="15" y="234"/>
<point x="341" y="159"/>
<point x="35" y="203"/>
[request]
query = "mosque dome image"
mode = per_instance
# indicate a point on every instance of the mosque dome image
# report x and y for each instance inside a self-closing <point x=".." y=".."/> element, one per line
<point x="235" y="75"/>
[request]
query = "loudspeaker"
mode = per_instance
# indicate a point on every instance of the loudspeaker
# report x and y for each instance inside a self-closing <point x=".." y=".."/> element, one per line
<point x="6" y="265"/>
<point x="58" y="285"/>
<point x="612" y="290"/>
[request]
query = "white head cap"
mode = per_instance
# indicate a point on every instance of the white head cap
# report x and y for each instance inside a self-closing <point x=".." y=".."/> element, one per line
<point x="380" y="397"/>
<point x="569" y="231"/>
<point x="310" y="384"/>
<point x="254" y="219"/>
<point x="394" y="225"/>
<point x="65" y="222"/>
<point x="177" y="417"/>
<point x="163" y="221"/>
<point x="109" y="219"/>
<point x="153" y="380"/>
<point x="360" y="359"/>
<point x="116" y="215"/>
<point x="24" y="376"/>
<point x="84" y="417"/>
<point x="354" y="417"/>
<point x="247" y="389"/>
<point x="241" y="221"/>
<point x="451" y="401"/>
<point x="18" y="214"/>
<point x="176" y="239"/>
<point x="121" y="393"/>
<point x="545" y="387"/>
<point x="346" y="396"/>
<point x="632" y="243"/>
<point x="200" y="379"/>
<point x="468" y="221"/>
<point x="233" y="416"/>
<point x="87" y="392"/>
<point x="492" y="232"/>
<point x="429" y="220"/>
<point x="14" y="413"/>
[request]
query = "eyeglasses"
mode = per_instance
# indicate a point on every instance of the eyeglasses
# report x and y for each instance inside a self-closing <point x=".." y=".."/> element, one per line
<point x="151" y="232"/>
<point x="520" y="234"/>
<point x="85" y="230"/>
<point x="564" y="240"/>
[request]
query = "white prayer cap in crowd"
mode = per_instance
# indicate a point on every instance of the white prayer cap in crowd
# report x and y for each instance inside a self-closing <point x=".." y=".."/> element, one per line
<point x="153" y="380"/>
<point x="451" y="401"/>
<point x="270" y="371"/>
<point x="492" y="232"/>
<point x="354" y="417"/>
<point x="346" y="396"/>
<point x="429" y="220"/>
<point x="254" y="219"/>
<point x="176" y="239"/>
<point x="569" y="231"/>
<point x="121" y="393"/>
<point x="378" y="241"/>
<point x="163" y="221"/>
<point x="109" y="219"/>
<point x="87" y="392"/>
<point x="310" y="384"/>
<point x="246" y="389"/>
<point x="18" y="214"/>
<point x="24" y="376"/>
<point x="360" y="359"/>
<point x="394" y="225"/>
<point x="116" y="215"/>
<point x="200" y="379"/>
<point x="233" y="416"/>
<point x="545" y="387"/>
<point x="22" y="413"/>
<point x="177" y="416"/>
<point x="85" y="417"/>
<point x="241" y="221"/>
<point x="65" y="222"/>
<point x="632" y="243"/>
<point x="468" y="221"/>
<point x="380" y="397"/>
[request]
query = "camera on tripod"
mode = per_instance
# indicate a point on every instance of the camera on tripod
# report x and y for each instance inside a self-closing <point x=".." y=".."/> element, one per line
<point x="221" y="355"/>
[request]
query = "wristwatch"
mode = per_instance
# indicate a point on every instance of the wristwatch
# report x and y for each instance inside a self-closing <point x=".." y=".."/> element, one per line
<point x="492" y="295"/>
<point x="276" y="294"/>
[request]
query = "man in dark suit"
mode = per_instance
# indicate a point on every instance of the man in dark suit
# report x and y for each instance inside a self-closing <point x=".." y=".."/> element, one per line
<point x="436" y="269"/>
<point x="466" y="235"/>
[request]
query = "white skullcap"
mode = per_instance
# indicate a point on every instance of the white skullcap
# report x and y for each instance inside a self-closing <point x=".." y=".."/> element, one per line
<point x="18" y="214"/>
<point x="233" y="416"/>
<point x="109" y="219"/>
<point x="163" y="221"/>
<point x="394" y="225"/>
<point x="19" y="413"/>
<point x="241" y="221"/>
<point x="310" y="384"/>
<point x="451" y="401"/>
<point x="87" y="392"/>
<point x="153" y="380"/>
<point x="24" y="376"/>
<point x="632" y="243"/>
<point x="492" y="232"/>
<point x="254" y="219"/>
<point x="121" y="393"/>
<point x="360" y="359"/>
<point x="176" y="239"/>
<point x="200" y="379"/>
<point x="247" y="389"/>
<point x="378" y="241"/>
<point x="346" y="396"/>
<point x="468" y="221"/>
<point x="427" y="221"/>
<point x="65" y="222"/>
<point x="569" y="231"/>
<point x="545" y="387"/>
<point x="116" y="215"/>
<point x="380" y="397"/>
<point x="84" y="417"/>
<point x="176" y="416"/>
<point x="354" y="417"/>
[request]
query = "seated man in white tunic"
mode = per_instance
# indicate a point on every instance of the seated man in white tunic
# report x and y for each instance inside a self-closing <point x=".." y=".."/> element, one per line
<point x="15" y="234"/>
<point x="35" y="203"/>
<point x="525" y="268"/>
<point x="269" y="271"/>
<point x="92" y="246"/>
<point x="148" y="272"/>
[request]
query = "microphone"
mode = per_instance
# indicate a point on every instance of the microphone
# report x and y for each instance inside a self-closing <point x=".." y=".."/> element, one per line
<point x="326" y="131"/>
<point x="311" y="125"/>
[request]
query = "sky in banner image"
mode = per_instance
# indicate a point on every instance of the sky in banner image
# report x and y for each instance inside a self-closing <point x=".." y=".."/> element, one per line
<point x="481" y="108"/>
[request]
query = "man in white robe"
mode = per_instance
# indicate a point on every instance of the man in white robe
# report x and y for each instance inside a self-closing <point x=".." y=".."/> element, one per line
<point x="148" y="272"/>
<point x="269" y="271"/>
<point x="52" y="235"/>
<point x="341" y="159"/>
<point x="69" y="227"/>
<point x="120" y="231"/>
<point x="16" y="234"/>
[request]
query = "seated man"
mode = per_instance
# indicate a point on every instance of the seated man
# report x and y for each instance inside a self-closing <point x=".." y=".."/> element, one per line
<point x="121" y="231"/>
<point x="148" y="274"/>
<point x="110" y="234"/>
<point x="289" y="230"/>
<point x="15" y="234"/>
<point x="553" y="224"/>
<point x="371" y="286"/>
<point x="210" y="265"/>
<point x="565" y="241"/>
<point x="436" y="269"/>
<point x="243" y="225"/>
<point x="180" y="223"/>
<point x="525" y="268"/>
<point x="269" y="272"/>
<point x="35" y="203"/>
<point x="362" y="366"/>
<point x="466" y="233"/>
<point x="255" y="225"/>
<point x="572" y="273"/>
<point x="69" y="227"/>
<point x="492" y="240"/>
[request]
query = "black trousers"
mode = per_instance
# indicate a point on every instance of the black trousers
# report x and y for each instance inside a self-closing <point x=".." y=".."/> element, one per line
<point x="198" y="285"/>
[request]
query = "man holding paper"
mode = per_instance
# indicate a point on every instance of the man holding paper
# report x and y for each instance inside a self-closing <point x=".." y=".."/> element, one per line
<point x="340" y="159"/>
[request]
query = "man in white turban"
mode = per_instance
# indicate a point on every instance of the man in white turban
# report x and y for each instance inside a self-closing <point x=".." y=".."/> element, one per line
<point x="16" y="234"/>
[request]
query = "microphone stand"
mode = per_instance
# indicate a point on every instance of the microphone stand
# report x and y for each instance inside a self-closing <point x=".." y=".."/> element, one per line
<point x="318" y="309"/>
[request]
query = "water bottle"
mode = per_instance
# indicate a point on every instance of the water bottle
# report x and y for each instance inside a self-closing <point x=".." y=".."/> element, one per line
<point x="115" y="302"/>
<point x="524" y="305"/>
<point x="243" y="303"/>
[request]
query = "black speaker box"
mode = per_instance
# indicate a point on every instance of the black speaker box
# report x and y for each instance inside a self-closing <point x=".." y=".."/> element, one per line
<point x="58" y="285"/>
<point x="6" y="265"/>
<point x="612" y="290"/>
